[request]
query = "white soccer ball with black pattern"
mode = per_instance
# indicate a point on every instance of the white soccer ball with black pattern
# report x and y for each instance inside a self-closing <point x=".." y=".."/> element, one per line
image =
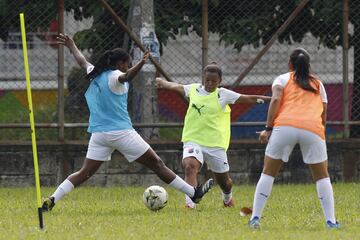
<point x="155" y="198"/>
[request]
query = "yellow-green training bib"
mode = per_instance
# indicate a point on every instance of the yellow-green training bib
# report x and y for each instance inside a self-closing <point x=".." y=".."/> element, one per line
<point x="206" y="123"/>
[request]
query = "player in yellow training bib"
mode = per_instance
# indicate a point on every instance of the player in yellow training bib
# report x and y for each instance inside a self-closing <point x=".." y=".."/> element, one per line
<point x="206" y="133"/>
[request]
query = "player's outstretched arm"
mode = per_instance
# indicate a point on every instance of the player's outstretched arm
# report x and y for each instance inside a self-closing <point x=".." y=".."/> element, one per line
<point x="162" y="83"/>
<point x="324" y="114"/>
<point x="69" y="43"/>
<point x="253" y="99"/>
<point x="274" y="106"/>
<point x="131" y="73"/>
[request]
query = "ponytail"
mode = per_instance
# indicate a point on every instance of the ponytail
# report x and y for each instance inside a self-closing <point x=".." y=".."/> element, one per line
<point x="107" y="61"/>
<point x="300" y="60"/>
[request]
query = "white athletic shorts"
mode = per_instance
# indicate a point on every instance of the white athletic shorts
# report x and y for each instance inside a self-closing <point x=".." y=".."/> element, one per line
<point x="128" y="142"/>
<point x="284" y="138"/>
<point x="215" y="157"/>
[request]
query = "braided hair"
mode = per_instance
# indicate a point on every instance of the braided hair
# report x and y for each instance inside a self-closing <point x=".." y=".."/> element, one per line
<point x="108" y="61"/>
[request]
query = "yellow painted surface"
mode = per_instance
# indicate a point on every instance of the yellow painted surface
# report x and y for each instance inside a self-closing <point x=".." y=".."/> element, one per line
<point x="39" y="97"/>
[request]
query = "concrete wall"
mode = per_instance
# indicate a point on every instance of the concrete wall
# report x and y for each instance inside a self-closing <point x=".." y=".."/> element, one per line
<point x="245" y="159"/>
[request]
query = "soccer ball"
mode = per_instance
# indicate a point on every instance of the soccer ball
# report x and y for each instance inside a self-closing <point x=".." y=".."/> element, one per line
<point x="155" y="198"/>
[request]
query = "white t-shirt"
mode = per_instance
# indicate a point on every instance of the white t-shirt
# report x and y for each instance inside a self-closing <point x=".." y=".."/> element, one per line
<point x="226" y="96"/>
<point x="283" y="79"/>
<point x="113" y="82"/>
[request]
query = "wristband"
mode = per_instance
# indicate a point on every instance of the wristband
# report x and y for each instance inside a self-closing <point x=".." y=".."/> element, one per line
<point x="259" y="101"/>
<point x="268" y="129"/>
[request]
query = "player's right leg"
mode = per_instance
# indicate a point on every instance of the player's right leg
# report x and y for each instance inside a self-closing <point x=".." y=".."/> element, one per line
<point x="191" y="163"/>
<point x="278" y="149"/>
<point x="87" y="170"/>
<point x="191" y="168"/>
<point x="134" y="148"/>
<point x="98" y="149"/>
<point x="263" y="189"/>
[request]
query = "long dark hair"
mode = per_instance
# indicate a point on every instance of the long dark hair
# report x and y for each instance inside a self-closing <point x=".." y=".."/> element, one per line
<point x="300" y="59"/>
<point x="107" y="61"/>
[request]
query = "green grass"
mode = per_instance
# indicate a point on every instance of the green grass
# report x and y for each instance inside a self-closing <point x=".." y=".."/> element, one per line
<point x="292" y="212"/>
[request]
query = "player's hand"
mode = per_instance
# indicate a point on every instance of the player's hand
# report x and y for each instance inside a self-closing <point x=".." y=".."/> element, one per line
<point x="146" y="55"/>
<point x="159" y="82"/>
<point x="65" y="40"/>
<point x="264" y="136"/>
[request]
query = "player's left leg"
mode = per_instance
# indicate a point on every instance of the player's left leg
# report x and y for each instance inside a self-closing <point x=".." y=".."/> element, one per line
<point x="313" y="149"/>
<point x="87" y="170"/>
<point x="325" y="192"/>
<point x="225" y="183"/>
<point x="217" y="161"/>
<point x="280" y="145"/>
<point x="151" y="160"/>
<point x="98" y="152"/>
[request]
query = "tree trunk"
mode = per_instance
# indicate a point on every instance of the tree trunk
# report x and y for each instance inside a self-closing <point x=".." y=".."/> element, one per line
<point x="351" y="157"/>
<point x="144" y="93"/>
<point x="355" y="110"/>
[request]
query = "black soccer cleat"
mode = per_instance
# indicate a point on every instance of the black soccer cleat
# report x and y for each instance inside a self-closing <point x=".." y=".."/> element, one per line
<point x="201" y="190"/>
<point x="48" y="204"/>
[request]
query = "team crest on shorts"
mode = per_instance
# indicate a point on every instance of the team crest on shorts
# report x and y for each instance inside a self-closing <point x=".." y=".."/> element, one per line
<point x="190" y="150"/>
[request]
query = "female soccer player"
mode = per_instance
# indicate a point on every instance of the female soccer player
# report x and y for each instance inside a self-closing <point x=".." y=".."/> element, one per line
<point x="110" y="125"/>
<point x="206" y="132"/>
<point x="297" y="114"/>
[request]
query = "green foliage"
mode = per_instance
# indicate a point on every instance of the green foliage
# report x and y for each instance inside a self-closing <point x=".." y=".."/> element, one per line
<point x="103" y="34"/>
<point x="34" y="15"/>
<point x="292" y="212"/>
<point x="175" y="17"/>
<point x="16" y="113"/>
<point x="237" y="22"/>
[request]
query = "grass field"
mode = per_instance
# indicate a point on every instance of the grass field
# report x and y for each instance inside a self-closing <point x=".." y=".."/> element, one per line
<point x="292" y="212"/>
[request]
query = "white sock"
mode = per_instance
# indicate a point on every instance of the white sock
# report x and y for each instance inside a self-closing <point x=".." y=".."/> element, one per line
<point x="326" y="196"/>
<point x="262" y="192"/>
<point x="64" y="188"/>
<point x="226" y="196"/>
<point x="179" y="184"/>
<point x="189" y="202"/>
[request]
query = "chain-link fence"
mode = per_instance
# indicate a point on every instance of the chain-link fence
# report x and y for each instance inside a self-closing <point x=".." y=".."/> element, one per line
<point x="174" y="30"/>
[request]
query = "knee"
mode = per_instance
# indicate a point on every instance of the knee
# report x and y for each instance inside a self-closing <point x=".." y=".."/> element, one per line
<point x="79" y="177"/>
<point x="226" y="185"/>
<point x="189" y="168"/>
<point x="229" y="183"/>
<point x="270" y="171"/>
<point x="320" y="176"/>
<point x="84" y="175"/>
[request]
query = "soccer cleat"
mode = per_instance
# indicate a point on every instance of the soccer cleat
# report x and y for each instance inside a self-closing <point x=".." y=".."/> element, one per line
<point x="254" y="223"/>
<point x="48" y="204"/>
<point x="230" y="203"/>
<point x="201" y="190"/>
<point x="335" y="225"/>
